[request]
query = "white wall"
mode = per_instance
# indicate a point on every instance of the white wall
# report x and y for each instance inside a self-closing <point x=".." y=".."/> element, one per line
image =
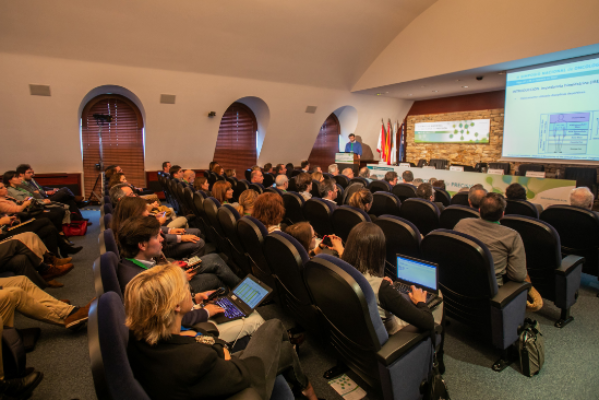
<point x="44" y="131"/>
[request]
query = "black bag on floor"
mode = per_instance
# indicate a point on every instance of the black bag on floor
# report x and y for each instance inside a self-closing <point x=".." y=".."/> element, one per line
<point x="434" y="387"/>
<point x="531" y="348"/>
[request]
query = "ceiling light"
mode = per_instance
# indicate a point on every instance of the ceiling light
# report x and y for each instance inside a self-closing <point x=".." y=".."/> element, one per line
<point x="458" y="80"/>
<point x="423" y="86"/>
<point x="465" y="87"/>
<point x="379" y="94"/>
<point x="435" y="91"/>
<point x="501" y="73"/>
<point x="410" y="94"/>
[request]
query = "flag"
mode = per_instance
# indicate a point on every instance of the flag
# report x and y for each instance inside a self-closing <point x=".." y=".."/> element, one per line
<point x="381" y="143"/>
<point x="388" y="144"/>
<point x="394" y="144"/>
<point x="401" y="143"/>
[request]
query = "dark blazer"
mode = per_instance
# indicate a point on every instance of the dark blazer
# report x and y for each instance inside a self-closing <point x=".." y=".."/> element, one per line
<point x="181" y="369"/>
<point x="127" y="271"/>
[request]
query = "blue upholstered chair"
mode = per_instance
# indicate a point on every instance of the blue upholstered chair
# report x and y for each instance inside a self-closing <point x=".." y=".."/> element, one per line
<point x="227" y="218"/>
<point x="318" y="212"/>
<point x="105" y="222"/>
<point x="107" y="208"/>
<point x="251" y="233"/>
<point x="214" y="230"/>
<point x="273" y="190"/>
<point x="359" y="179"/>
<point x="385" y="203"/>
<point x="454" y="213"/>
<point x="257" y="187"/>
<point x="556" y="279"/>
<point x="402" y="237"/>
<point x="105" y="274"/>
<point x="342" y="180"/>
<point x="107" y="242"/>
<point x="442" y="196"/>
<point x="460" y="198"/>
<point x="352" y="188"/>
<point x="379" y="185"/>
<point x="293" y="208"/>
<point x="470" y="294"/>
<point x="521" y="207"/>
<point x="404" y="191"/>
<point x="423" y="213"/>
<point x="345" y="218"/>
<point x="393" y="365"/>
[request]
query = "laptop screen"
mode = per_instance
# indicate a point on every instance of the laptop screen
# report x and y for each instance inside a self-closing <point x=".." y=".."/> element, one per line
<point x="250" y="292"/>
<point x="417" y="272"/>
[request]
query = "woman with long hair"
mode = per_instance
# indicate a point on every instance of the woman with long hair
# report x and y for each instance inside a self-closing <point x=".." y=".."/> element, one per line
<point x="222" y="191"/>
<point x="201" y="184"/>
<point x="304" y="185"/>
<point x="246" y="202"/>
<point x="304" y="233"/>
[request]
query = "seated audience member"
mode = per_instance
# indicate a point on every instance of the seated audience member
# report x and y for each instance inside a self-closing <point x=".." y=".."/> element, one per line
<point x="111" y="170"/>
<point x="475" y="195"/>
<point x="373" y="177"/>
<point x="211" y="165"/>
<point x="329" y="191"/>
<point x="464" y="189"/>
<point x="188" y="177"/>
<point x="201" y="184"/>
<point x="268" y="168"/>
<point x="223" y="192"/>
<point x="120" y="191"/>
<point x="35" y="244"/>
<point x="431" y="181"/>
<point x="270" y="210"/>
<point x="391" y="178"/>
<point x="334" y="169"/>
<point x="117" y="178"/>
<point x="349" y="173"/>
<point x="173" y="364"/>
<point x="582" y="197"/>
<point x="439" y="183"/>
<point x="304" y="233"/>
<point x="365" y="250"/>
<point x="305" y="166"/>
<point x="176" y="172"/>
<point x="365" y="173"/>
<point x="425" y="191"/>
<point x="280" y="170"/>
<point x="289" y="167"/>
<point x="180" y="243"/>
<point x="282" y="182"/>
<point x="62" y="195"/>
<point x="304" y="185"/>
<point x="257" y="177"/>
<point x="246" y="202"/>
<point x="318" y="176"/>
<point x="316" y="168"/>
<point x="166" y="167"/>
<point x="418" y="181"/>
<point x="408" y="177"/>
<point x="231" y="173"/>
<point x="363" y="200"/>
<point x="505" y="244"/>
<point x="218" y="170"/>
<point x="516" y="191"/>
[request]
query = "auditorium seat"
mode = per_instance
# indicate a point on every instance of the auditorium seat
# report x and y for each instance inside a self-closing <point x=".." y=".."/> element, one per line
<point x="106" y="222"/>
<point x="292" y="187"/>
<point x="442" y="196"/>
<point x="342" y="180"/>
<point x="404" y="191"/>
<point x="257" y="187"/>
<point x="107" y="242"/>
<point x="251" y="233"/>
<point x="361" y="180"/>
<point x="198" y="211"/>
<point x="583" y="176"/>
<point x="384" y="203"/>
<point x="269" y="180"/>
<point x="233" y="181"/>
<point x="295" y="173"/>
<point x="315" y="192"/>
<point x="504" y="166"/>
<point x="215" y="231"/>
<point x="578" y="231"/>
<point x="439" y="163"/>
<point x="345" y="218"/>
<point x="460" y="198"/>
<point x="242" y="186"/>
<point x="318" y="212"/>
<point x="350" y="190"/>
<point x="402" y="237"/>
<point x="521" y="207"/>
<point x="227" y="218"/>
<point x="340" y="194"/>
<point x="293" y="208"/>
<point x="106" y="275"/>
<point x="423" y="213"/>
<point x="378" y="186"/>
<point x="107" y="208"/>
<point x="394" y="365"/>
<point x="248" y="174"/>
<point x="467" y="281"/>
<point x="454" y="213"/>
<point x="556" y="279"/>
<point x="273" y="190"/>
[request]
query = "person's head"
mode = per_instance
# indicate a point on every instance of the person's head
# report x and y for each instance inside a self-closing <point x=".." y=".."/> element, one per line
<point x="407" y="176"/>
<point x="432" y="181"/>
<point x="269" y="209"/>
<point x="304" y="233"/>
<point x="231" y="173"/>
<point x="417" y="182"/>
<point x="391" y="178"/>
<point x="362" y="199"/>
<point x="267" y="168"/>
<point x="216" y="169"/>
<point x="257" y="176"/>
<point x="117" y="178"/>
<point x="304" y="182"/>
<point x="211" y="165"/>
<point x="492" y="207"/>
<point x="316" y="168"/>
<point x="582" y="197"/>
<point x="475" y="195"/>
<point x="317" y="176"/>
<point x="289" y="167"/>
<point x="155" y="301"/>
<point x="140" y="235"/>
<point x="280" y="169"/>
<point x="305" y="165"/>
<point x="11" y="178"/>
<point x="515" y="191"/>
<point x="439" y="183"/>
<point x="246" y="201"/>
<point x="328" y="189"/>
<point x="111" y="170"/>
<point x="364" y="172"/>
<point x="352" y="137"/>
<point x="26" y="171"/>
<point x="282" y="182"/>
<point x="127" y="208"/>
<point x="366" y="248"/>
<point x="176" y="172"/>
<point x="120" y="191"/>
<point x="426" y="191"/>
<point x="222" y="191"/>
<point x="201" y="183"/>
<point x="189" y="175"/>
<point x="334" y="169"/>
<point x="349" y="173"/>
<point x="166" y="166"/>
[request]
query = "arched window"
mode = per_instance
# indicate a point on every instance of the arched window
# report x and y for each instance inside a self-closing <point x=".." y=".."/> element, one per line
<point x="326" y="144"/>
<point x="236" y="142"/>
<point x="122" y="140"/>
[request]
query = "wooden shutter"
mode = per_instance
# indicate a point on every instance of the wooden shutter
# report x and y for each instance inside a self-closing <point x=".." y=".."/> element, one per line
<point x="122" y="140"/>
<point x="326" y="144"/>
<point x="236" y="142"/>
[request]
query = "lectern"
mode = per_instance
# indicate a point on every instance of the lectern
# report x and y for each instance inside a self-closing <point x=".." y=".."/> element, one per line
<point x="348" y="160"/>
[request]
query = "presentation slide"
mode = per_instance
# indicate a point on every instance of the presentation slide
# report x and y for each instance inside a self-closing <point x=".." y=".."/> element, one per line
<point x="553" y="112"/>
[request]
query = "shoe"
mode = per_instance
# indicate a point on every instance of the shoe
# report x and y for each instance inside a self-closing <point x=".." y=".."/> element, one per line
<point x="71" y="249"/>
<point x="21" y="388"/>
<point x="78" y="318"/>
<point x="54" y="284"/>
<point x="56" y="271"/>
<point x="62" y="261"/>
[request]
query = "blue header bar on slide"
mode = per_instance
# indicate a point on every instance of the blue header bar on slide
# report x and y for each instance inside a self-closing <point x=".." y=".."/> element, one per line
<point x="552" y="78"/>
<point x="555" y="72"/>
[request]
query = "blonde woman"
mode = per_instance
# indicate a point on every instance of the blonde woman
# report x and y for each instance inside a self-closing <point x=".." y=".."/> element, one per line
<point x="175" y="364"/>
<point x="246" y="202"/>
<point x="363" y="200"/>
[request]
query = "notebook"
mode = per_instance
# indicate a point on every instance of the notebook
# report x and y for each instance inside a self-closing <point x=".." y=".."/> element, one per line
<point x="420" y="273"/>
<point x="242" y="300"/>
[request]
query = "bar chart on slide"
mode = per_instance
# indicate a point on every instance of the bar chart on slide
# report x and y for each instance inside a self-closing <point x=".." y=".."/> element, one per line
<point x="568" y="133"/>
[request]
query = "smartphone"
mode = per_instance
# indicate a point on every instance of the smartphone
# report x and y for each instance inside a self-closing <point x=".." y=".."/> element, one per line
<point x="29" y="198"/>
<point x="326" y="241"/>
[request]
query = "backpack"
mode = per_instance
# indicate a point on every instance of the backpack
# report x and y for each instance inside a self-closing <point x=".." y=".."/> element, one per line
<point x="531" y="348"/>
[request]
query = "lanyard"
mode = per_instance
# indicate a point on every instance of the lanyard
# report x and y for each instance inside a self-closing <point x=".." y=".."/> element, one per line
<point x="351" y="147"/>
<point x="138" y="263"/>
<point x="21" y="190"/>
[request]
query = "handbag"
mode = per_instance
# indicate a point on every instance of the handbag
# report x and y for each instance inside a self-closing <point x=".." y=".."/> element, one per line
<point x="531" y="348"/>
<point x="75" y="228"/>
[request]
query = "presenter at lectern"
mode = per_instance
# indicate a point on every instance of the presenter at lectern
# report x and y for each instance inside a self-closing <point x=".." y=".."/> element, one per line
<point x="353" y="146"/>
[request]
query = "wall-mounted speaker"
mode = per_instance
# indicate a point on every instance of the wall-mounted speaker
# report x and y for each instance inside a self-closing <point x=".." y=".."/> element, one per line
<point x="167" y="98"/>
<point x="311" y="109"/>
<point x="39" y="90"/>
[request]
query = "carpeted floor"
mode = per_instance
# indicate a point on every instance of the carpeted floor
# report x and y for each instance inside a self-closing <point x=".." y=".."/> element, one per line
<point x="570" y="370"/>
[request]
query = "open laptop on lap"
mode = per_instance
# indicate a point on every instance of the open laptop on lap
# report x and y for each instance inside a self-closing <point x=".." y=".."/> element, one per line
<point x="242" y="300"/>
<point x="420" y="273"/>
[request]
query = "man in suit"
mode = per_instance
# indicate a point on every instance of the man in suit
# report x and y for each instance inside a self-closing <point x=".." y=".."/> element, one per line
<point x="425" y="191"/>
<point x="349" y="173"/>
<point x="334" y="169"/>
<point x="166" y="166"/>
<point x="329" y="191"/>
<point x="408" y="177"/>
<point x="475" y="195"/>
<point x="391" y="178"/>
<point x="365" y="173"/>
<point x="282" y="182"/>
<point x="280" y="170"/>
<point x="353" y="146"/>
<point x="257" y="178"/>
<point x="305" y="166"/>
<point x="188" y="178"/>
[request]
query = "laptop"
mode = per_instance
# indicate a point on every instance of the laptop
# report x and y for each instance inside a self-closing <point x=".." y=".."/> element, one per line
<point x="420" y="273"/>
<point x="242" y="300"/>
